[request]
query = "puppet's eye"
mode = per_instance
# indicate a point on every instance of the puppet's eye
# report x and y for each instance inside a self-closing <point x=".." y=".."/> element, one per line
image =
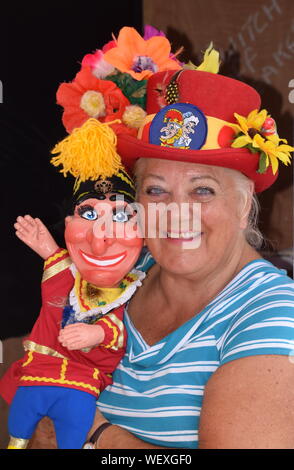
<point x="87" y="212"/>
<point x="121" y="215"/>
<point x="90" y="215"/>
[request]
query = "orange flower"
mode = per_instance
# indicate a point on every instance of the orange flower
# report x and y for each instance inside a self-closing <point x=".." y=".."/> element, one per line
<point x="139" y="57"/>
<point x="87" y="96"/>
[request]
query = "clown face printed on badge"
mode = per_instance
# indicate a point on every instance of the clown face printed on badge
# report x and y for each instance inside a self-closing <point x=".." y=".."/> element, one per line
<point x="103" y="253"/>
<point x="179" y="125"/>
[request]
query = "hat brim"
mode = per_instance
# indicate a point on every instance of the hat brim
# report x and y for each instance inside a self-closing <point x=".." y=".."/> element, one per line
<point x="241" y="159"/>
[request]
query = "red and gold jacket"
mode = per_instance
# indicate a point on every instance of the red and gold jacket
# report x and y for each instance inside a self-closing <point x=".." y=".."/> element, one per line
<point x="46" y="361"/>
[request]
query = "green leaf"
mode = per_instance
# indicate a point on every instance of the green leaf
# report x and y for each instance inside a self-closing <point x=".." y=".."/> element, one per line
<point x="253" y="149"/>
<point x="140" y="93"/>
<point x="134" y="90"/>
<point x="262" y="163"/>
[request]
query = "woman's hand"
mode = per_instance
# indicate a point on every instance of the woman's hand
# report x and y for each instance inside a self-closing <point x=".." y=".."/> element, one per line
<point x="81" y="335"/>
<point x="36" y="235"/>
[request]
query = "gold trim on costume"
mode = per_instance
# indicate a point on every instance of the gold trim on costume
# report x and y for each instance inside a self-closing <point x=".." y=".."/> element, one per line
<point x="115" y="335"/>
<point x="63" y="369"/>
<point x="120" y="327"/>
<point x="59" y="381"/>
<point x="56" y="268"/>
<point x="96" y="374"/>
<point x="34" y="347"/>
<point x="55" y="257"/>
<point x="16" y="443"/>
<point x="30" y="358"/>
<point x="118" y="331"/>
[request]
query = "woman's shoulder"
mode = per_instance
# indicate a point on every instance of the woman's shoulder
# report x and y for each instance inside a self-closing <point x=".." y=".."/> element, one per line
<point x="264" y="321"/>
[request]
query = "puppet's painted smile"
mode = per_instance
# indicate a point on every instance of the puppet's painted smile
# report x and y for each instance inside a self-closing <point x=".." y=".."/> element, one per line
<point x="103" y="261"/>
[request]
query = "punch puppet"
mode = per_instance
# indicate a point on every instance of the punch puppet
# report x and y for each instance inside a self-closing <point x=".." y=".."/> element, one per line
<point x="79" y="336"/>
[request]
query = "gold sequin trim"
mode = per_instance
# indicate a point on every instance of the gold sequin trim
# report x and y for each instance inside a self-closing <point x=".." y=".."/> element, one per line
<point x="16" y="443"/>
<point x="32" y="346"/>
<point x="56" y="268"/>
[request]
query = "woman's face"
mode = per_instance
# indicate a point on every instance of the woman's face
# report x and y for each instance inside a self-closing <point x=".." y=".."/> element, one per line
<point x="102" y="240"/>
<point x="204" y="227"/>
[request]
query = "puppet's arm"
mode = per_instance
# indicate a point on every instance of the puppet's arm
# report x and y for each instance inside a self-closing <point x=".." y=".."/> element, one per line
<point x="34" y="234"/>
<point x="107" y="332"/>
<point x="81" y="335"/>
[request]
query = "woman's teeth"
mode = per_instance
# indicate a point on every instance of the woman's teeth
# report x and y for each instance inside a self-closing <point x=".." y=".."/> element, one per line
<point x="184" y="235"/>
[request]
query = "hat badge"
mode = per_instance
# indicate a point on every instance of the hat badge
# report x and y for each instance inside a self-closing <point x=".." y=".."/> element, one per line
<point x="179" y="125"/>
<point x="103" y="186"/>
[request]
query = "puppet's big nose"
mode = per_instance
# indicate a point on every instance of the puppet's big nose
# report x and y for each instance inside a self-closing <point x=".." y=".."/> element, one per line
<point x="100" y="240"/>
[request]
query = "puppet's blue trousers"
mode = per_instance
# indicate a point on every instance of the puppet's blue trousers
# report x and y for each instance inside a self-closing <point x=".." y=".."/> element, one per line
<point x="72" y="412"/>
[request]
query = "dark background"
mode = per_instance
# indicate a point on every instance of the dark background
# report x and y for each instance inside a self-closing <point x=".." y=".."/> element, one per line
<point x="41" y="46"/>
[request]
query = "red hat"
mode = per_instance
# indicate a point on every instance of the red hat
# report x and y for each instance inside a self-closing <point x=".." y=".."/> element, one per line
<point x="209" y="101"/>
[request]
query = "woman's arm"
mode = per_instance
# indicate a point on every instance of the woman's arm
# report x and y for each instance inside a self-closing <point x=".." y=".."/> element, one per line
<point x="249" y="404"/>
<point x="115" y="437"/>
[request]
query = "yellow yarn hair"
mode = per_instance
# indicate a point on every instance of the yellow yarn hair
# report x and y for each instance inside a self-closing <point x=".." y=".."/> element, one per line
<point x="88" y="152"/>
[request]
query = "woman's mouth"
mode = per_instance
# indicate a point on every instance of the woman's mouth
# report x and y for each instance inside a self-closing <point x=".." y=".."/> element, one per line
<point x="103" y="261"/>
<point x="184" y="236"/>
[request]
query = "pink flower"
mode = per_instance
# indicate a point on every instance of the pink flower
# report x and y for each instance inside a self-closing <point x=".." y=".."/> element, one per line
<point x="99" y="67"/>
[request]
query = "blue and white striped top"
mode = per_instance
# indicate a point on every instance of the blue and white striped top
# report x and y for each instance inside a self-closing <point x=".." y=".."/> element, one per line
<point x="157" y="390"/>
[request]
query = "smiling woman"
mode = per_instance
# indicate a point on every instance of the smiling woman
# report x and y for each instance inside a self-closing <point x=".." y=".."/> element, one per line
<point x="210" y="330"/>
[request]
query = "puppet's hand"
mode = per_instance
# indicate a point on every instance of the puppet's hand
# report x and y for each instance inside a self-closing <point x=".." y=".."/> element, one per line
<point x="81" y="335"/>
<point x="34" y="234"/>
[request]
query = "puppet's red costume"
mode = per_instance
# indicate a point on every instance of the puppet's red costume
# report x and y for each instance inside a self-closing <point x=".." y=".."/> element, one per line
<point x="46" y="361"/>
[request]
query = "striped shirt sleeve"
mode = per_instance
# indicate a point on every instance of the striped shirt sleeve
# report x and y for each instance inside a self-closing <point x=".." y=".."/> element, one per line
<point x="264" y="326"/>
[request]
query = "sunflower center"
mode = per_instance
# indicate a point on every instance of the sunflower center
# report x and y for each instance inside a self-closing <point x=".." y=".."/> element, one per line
<point x="92" y="102"/>
<point x="143" y="62"/>
<point x="253" y="132"/>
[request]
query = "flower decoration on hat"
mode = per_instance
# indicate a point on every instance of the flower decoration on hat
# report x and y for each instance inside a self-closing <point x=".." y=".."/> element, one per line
<point x="90" y="97"/>
<point x="258" y="133"/>
<point x="210" y="63"/>
<point x="141" y="57"/>
<point x="111" y="84"/>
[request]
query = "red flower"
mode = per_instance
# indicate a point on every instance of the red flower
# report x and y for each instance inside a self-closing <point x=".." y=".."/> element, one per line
<point x="109" y="45"/>
<point x="87" y="96"/>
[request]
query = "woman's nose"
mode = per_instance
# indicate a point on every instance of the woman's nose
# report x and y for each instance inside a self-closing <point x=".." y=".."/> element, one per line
<point x="99" y="241"/>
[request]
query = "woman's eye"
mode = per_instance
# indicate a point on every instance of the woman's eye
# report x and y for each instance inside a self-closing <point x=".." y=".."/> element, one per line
<point x="88" y="213"/>
<point x="154" y="191"/>
<point x="121" y="215"/>
<point x="204" y="191"/>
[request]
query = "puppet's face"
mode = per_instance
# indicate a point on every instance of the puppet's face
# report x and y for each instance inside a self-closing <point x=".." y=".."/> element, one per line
<point x="103" y="240"/>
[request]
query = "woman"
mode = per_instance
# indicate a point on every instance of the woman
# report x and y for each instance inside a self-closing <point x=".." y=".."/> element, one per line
<point x="211" y="331"/>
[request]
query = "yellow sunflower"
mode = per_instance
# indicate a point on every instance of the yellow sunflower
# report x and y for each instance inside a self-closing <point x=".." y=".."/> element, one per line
<point x="272" y="152"/>
<point x="250" y="134"/>
<point x="248" y="127"/>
